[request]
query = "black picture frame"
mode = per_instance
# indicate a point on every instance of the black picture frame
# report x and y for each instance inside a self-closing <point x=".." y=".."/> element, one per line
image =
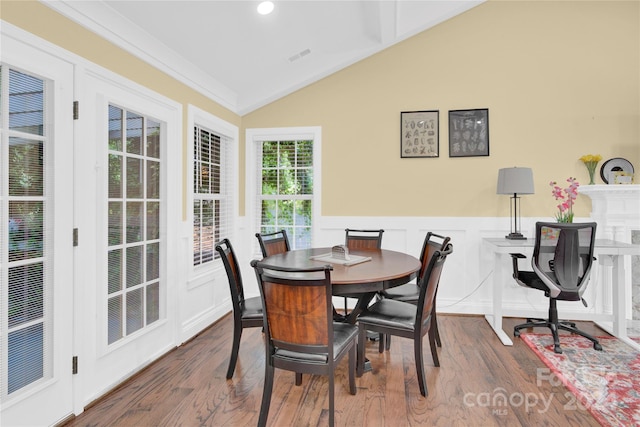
<point x="469" y="133"/>
<point x="420" y="134"/>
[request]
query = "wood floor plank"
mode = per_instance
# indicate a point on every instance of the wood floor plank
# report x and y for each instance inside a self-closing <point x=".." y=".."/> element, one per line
<point x="480" y="383"/>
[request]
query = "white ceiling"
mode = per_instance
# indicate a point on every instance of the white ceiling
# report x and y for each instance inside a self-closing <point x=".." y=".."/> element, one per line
<point x="244" y="60"/>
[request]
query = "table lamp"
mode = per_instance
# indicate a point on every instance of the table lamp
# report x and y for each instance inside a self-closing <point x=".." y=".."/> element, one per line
<point x="515" y="181"/>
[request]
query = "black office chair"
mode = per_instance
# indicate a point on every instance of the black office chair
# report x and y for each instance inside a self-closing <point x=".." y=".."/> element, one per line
<point x="300" y="334"/>
<point x="403" y="319"/>
<point x="273" y="243"/>
<point x="361" y="240"/>
<point x="410" y="292"/>
<point x="247" y="313"/>
<point x="562" y="259"/>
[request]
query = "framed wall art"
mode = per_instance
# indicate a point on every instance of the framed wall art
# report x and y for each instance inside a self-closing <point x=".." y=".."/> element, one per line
<point x="469" y="133"/>
<point x="419" y="134"/>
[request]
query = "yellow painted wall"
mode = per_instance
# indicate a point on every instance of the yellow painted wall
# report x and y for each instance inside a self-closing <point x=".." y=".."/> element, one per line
<point x="561" y="79"/>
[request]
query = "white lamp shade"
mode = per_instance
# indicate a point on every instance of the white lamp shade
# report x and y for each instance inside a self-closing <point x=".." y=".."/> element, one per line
<point x="515" y="181"/>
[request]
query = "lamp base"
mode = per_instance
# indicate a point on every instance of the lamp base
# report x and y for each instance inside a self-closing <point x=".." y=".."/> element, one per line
<point x="515" y="236"/>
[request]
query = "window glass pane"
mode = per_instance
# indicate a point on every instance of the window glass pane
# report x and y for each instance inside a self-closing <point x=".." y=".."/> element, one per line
<point x="114" y="266"/>
<point x="134" y="133"/>
<point x="303" y="212"/>
<point x="115" y="223"/>
<point x="135" y="265"/>
<point x="215" y="179"/>
<point x="285" y="212"/>
<point x="287" y="156"/>
<point x="270" y="181"/>
<point x="207" y="235"/>
<point x="269" y="213"/>
<point x="114" y="319"/>
<point x="304" y="155"/>
<point x="26" y="294"/>
<point x="115" y="176"/>
<point x="305" y="181"/>
<point x="153" y="262"/>
<point x="153" y="303"/>
<point x="115" y="128"/>
<point x="153" y="139"/>
<point x="153" y="180"/>
<point x="26" y="167"/>
<point x="135" y="178"/>
<point x="269" y="154"/>
<point x="135" y="220"/>
<point x="287" y="182"/>
<point x="25" y="230"/>
<point x="197" y="232"/>
<point x="26" y="360"/>
<point x="153" y="220"/>
<point x="134" y="311"/>
<point x="26" y="103"/>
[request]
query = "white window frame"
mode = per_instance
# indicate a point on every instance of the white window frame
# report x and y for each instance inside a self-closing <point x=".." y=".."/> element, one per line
<point x="200" y="274"/>
<point x="253" y="139"/>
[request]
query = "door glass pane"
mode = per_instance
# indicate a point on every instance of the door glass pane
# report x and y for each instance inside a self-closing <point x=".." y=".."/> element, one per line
<point x="134" y="311"/>
<point x="26" y="103"/>
<point x="25" y="167"/>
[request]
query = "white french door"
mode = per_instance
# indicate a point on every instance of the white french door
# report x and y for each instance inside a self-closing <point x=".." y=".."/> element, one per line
<point x="128" y="196"/>
<point x="36" y="227"/>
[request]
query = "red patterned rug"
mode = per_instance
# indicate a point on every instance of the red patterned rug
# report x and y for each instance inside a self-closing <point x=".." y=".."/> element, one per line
<point x="606" y="382"/>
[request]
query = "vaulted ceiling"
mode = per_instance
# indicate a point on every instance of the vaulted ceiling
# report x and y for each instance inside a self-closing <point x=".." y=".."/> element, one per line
<point x="244" y="60"/>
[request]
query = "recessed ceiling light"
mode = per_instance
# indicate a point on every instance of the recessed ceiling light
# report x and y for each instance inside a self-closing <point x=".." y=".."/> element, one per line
<point x="265" y="7"/>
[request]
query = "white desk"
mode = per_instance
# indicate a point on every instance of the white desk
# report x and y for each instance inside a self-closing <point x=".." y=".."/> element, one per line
<point x="501" y="248"/>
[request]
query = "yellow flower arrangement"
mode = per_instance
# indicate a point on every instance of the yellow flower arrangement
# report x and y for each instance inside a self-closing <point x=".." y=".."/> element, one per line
<point x="591" y="161"/>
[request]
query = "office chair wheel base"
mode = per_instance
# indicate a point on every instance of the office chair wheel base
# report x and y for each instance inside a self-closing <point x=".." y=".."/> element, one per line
<point x="597" y="346"/>
<point x="516" y="333"/>
<point x="557" y="349"/>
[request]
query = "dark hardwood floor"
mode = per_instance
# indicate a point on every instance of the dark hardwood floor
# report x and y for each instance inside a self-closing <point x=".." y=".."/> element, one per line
<point x="187" y="387"/>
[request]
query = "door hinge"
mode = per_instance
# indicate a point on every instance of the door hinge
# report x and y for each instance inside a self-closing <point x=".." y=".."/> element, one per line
<point x="76" y="112"/>
<point x="74" y="365"/>
<point x="75" y="237"/>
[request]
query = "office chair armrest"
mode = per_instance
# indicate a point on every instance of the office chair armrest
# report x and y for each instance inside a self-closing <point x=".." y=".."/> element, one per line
<point x="514" y="259"/>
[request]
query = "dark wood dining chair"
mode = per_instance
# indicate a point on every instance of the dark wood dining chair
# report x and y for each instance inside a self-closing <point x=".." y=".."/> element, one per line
<point x="273" y="243"/>
<point x="403" y="319"/>
<point x="361" y="240"/>
<point x="300" y="334"/>
<point x="247" y="313"/>
<point x="410" y="292"/>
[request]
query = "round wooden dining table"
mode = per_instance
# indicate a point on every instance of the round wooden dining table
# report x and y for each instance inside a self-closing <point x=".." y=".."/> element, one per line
<point x="386" y="269"/>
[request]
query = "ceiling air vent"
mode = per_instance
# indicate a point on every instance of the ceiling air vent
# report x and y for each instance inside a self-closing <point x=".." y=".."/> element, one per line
<point x="299" y="55"/>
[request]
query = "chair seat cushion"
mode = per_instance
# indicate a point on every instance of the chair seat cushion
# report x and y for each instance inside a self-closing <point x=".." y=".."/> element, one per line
<point x="343" y="334"/>
<point x="390" y="313"/>
<point x="408" y="292"/>
<point x="252" y="308"/>
<point x="531" y="280"/>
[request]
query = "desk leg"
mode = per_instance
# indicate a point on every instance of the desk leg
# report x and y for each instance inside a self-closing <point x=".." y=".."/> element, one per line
<point x="495" y="318"/>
